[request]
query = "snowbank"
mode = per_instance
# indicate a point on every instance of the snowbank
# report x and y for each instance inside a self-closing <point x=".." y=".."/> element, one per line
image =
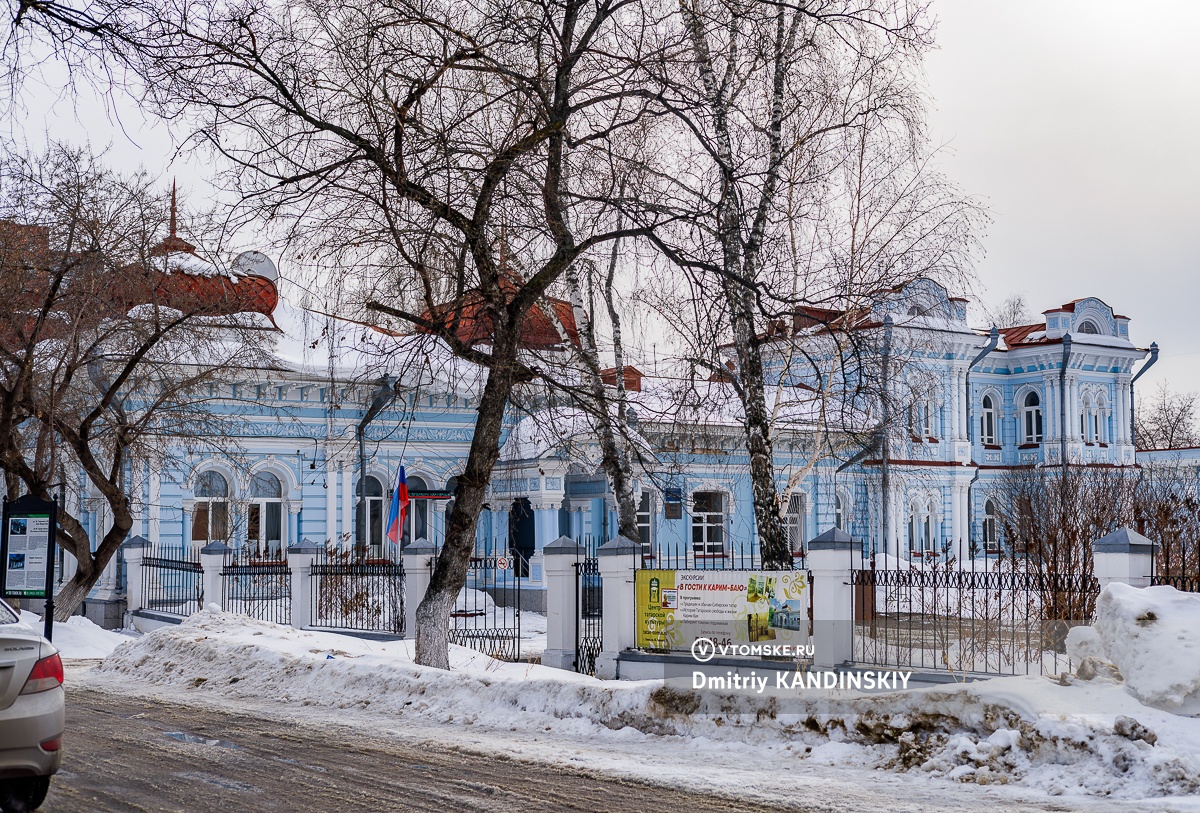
<point x="1152" y="636"/>
<point x="79" y="637"/>
<point x="1061" y="736"/>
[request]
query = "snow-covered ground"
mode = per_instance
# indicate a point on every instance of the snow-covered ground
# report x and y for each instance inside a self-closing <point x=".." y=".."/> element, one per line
<point x="1090" y="741"/>
<point x="78" y="637"/>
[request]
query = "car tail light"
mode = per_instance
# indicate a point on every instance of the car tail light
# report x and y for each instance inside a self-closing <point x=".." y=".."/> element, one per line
<point x="52" y="744"/>
<point x="47" y="674"/>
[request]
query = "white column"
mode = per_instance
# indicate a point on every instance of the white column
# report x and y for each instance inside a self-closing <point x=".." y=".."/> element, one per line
<point x="417" y="559"/>
<point x="212" y="559"/>
<point x="833" y="599"/>
<point x="347" y="524"/>
<point x="964" y="415"/>
<point x="956" y="521"/>
<point x="300" y="558"/>
<point x="617" y="559"/>
<point x="133" y="551"/>
<point x="562" y="618"/>
<point x="331" y="505"/>
<point x="956" y="406"/>
<point x="155" y="512"/>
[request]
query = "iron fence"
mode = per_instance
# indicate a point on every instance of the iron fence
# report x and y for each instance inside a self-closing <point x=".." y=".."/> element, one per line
<point x="994" y="622"/>
<point x="487" y="613"/>
<point x="690" y="555"/>
<point x="1181" y="582"/>
<point x="356" y="594"/>
<point x="172" y="581"/>
<point x="257" y="587"/>
<point x="589" y="614"/>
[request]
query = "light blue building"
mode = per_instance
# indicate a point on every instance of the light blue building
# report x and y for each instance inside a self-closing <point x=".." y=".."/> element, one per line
<point x="286" y="465"/>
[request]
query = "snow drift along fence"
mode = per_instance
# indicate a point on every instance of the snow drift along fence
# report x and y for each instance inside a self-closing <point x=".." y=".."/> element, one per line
<point x="990" y="622"/>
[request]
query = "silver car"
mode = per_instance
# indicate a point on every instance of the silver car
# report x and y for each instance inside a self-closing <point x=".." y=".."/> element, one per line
<point x="31" y="714"/>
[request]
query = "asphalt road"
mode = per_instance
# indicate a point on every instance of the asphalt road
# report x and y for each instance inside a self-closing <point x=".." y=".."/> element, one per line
<point x="123" y="754"/>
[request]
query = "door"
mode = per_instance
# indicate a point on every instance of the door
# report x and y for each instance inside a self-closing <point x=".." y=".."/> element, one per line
<point x="521" y="533"/>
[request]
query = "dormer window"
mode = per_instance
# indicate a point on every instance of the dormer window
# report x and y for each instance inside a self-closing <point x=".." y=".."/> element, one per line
<point x="1089" y="327"/>
<point x="1032" y="418"/>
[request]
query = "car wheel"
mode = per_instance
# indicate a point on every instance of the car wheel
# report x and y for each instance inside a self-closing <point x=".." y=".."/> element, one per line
<point x="23" y="795"/>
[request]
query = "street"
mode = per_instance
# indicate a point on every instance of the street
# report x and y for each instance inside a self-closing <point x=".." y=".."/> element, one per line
<point x="125" y="754"/>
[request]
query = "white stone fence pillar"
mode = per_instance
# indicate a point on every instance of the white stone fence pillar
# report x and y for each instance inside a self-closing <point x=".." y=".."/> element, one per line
<point x="212" y="559"/>
<point x="617" y="559"/>
<point x="300" y="558"/>
<point x="417" y="559"/>
<point x="1123" y="556"/>
<point x="560" y="558"/>
<point x="830" y="558"/>
<point x="133" y="550"/>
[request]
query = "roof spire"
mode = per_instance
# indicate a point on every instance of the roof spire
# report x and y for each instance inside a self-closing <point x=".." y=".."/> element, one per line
<point x="173" y="207"/>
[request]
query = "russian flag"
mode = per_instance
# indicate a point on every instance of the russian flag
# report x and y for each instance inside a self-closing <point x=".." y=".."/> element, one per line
<point x="395" y="523"/>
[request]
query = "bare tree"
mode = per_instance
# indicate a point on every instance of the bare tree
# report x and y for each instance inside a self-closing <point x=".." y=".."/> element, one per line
<point x="773" y="101"/>
<point x="1167" y="420"/>
<point x="105" y="355"/>
<point x="390" y="144"/>
<point x="1011" y="312"/>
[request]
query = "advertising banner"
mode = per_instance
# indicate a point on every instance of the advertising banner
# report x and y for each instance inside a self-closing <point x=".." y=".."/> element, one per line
<point x="727" y="607"/>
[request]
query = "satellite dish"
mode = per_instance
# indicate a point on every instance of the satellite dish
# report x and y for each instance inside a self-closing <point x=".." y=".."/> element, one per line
<point x="256" y="264"/>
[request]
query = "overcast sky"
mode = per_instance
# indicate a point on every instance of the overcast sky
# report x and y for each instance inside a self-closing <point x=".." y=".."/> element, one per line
<point x="1076" y="122"/>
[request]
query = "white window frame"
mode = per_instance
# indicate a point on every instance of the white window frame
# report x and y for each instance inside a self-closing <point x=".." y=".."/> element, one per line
<point x="708" y="527"/>
<point x="645" y="524"/>
<point x="795" y="523"/>
<point x="258" y="508"/>
<point x="205" y="505"/>
<point x="372" y="546"/>
<point x="987" y="420"/>
<point x="991" y="527"/>
<point x="1031" y="418"/>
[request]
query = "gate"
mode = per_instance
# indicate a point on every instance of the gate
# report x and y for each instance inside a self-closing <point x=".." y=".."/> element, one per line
<point x="487" y="613"/>
<point x="589" y="615"/>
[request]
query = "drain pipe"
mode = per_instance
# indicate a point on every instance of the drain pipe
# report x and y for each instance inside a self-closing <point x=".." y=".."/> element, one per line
<point x="992" y="342"/>
<point x="1062" y="403"/>
<point x="887" y="429"/>
<point x="1132" y="422"/>
<point x="383" y="397"/>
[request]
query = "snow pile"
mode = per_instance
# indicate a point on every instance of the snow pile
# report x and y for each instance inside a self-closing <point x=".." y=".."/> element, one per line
<point x="1061" y="736"/>
<point x="1152" y="636"/>
<point x="78" y="637"/>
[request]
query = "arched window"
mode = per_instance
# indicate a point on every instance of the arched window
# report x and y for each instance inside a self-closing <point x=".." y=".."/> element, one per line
<point x="920" y="530"/>
<point x="264" y="516"/>
<point x="416" y="521"/>
<point x="921" y="419"/>
<point x="708" y="523"/>
<point x="210" y="513"/>
<point x="839" y="512"/>
<point x="1088" y="326"/>
<point x="368" y="525"/>
<point x="1032" y="409"/>
<point x="793" y="524"/>
<point x="991" y="538"/>
<point x="987" y="422"/>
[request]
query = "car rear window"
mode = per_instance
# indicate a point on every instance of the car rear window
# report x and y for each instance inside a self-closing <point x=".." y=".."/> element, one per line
<point x="7" y="614"/>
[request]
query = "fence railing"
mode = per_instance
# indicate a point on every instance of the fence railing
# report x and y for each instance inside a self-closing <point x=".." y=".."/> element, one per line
<point x="259" y="588"/>
<point x="487" y="613"/>
<point x="690" y="555"/>
<point x="1183" y="583"/>
<point x="589" y="614"/>
<point x="172" y="581"/>
<point x="979" y="622"/>
<point x="360" y="595"/>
